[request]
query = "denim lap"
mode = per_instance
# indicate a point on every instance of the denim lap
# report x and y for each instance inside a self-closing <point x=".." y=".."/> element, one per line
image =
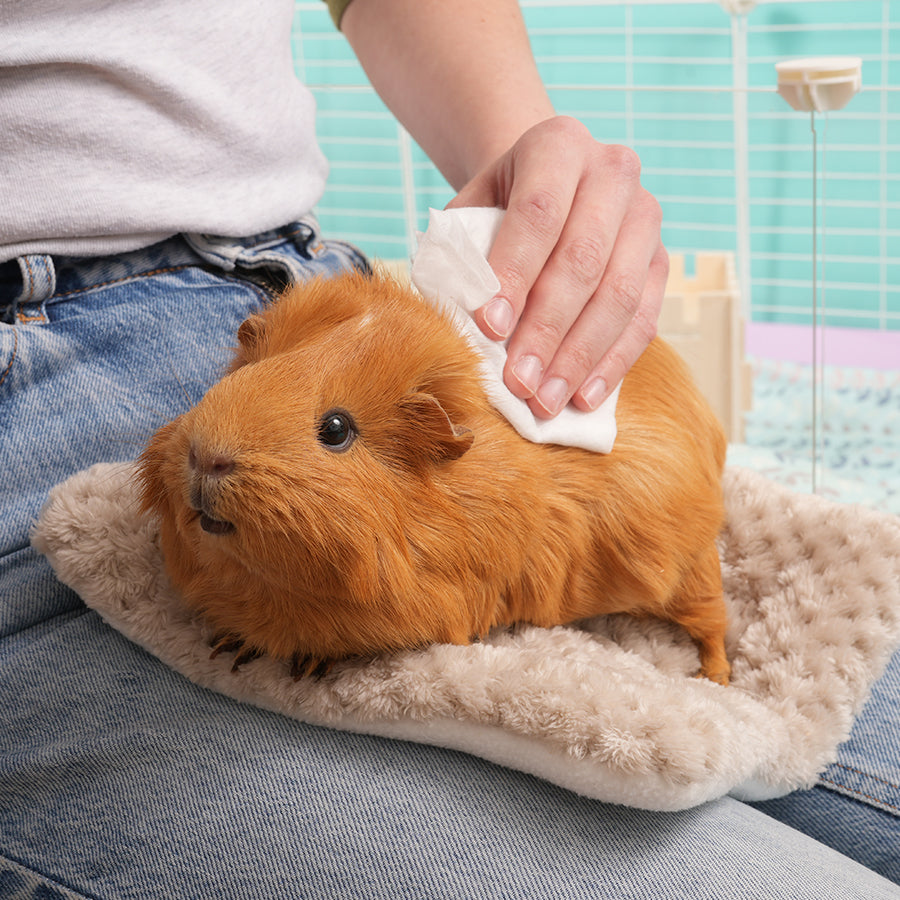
<point x="856" y="805"/>
<point x="120" y="778"/>
<point x="144" y="350"/>
<point x="133" y="782"/>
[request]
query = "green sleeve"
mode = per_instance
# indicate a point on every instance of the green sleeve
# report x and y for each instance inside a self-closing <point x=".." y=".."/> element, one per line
<point x="336" y="8"/>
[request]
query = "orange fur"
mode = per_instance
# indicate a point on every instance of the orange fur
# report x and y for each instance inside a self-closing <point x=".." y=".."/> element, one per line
<point x="439" y="522"/>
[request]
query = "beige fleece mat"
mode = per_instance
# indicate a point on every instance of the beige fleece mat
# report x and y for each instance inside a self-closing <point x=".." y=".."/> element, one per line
<point x="608" y="709"/>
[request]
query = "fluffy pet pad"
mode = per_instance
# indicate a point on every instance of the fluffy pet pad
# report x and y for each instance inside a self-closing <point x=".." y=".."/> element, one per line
<point x="609" y="709"/>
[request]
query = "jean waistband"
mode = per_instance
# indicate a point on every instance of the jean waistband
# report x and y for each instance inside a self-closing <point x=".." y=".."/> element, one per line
<point x="40" y="278"/>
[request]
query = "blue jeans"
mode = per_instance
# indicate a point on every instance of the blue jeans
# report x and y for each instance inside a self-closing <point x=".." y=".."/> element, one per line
<point x="120" y="778"/>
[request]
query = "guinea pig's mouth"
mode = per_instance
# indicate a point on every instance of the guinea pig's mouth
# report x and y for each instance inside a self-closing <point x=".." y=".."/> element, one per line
<point x="203" y="507"/>
<point x="214" y="526"/>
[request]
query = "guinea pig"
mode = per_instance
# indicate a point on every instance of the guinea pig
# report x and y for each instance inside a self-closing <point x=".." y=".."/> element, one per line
<point x="347" y="489"/>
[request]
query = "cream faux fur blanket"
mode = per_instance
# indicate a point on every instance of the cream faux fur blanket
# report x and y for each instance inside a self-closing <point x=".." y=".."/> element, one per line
<point x="609" y="709"/>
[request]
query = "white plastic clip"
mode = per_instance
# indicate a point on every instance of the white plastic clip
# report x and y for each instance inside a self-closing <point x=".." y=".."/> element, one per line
<point x="738" y="7"/>
<point x="819" y="83"/>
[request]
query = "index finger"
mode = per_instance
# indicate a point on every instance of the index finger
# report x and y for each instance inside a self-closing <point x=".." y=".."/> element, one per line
<point x="534" y="220"/>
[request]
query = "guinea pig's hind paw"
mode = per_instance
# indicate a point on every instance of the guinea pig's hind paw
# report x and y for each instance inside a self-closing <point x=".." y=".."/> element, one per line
<point x="224" y="642"/>
<point x="231" y="643"/>
<point x="303" y="666"/>
<point x="247" y="654"/>
<point x="717" y="677"/>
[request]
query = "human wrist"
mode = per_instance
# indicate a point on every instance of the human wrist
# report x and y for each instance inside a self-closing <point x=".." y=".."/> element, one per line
<point x="487" y="147"/>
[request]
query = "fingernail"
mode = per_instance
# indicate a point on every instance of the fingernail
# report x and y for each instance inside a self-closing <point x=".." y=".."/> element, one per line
<point x="553" y="394"/>
<point x="595" y="392"/>
<point x="528" y="371"/>
<point x="499" y="315"/>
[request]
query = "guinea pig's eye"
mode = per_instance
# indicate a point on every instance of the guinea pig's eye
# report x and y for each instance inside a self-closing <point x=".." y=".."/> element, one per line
<point x="336" y="430"/>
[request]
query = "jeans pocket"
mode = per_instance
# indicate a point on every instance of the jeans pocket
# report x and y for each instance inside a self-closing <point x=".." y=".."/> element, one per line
<point x="273" y="260"/>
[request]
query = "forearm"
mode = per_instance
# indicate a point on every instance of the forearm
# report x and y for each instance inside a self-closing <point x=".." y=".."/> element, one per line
<point x="459" y="76"/>
<point x="578" y="256"/>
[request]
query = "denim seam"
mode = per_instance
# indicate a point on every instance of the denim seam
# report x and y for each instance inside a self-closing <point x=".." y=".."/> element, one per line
<point x="164" y="271"/>
<point x="260" y="292"/>
<point x="101" y="284"/>
<point x="866" y="775"/>
<point x="12" y="359"/>
<point x="264" y="296"/>
<point x="63" y="617"/>
<point x="46" y="878"/>
<point x="26" y="320"/>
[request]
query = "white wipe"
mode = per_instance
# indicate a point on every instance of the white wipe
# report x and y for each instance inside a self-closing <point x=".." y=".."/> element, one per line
<point x="450" y="268"/>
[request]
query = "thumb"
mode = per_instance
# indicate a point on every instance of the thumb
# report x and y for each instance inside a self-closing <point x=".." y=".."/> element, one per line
<point x="478" y="192"/>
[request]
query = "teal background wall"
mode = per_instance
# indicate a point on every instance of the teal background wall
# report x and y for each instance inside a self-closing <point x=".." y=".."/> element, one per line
<point x="676" y="81"/>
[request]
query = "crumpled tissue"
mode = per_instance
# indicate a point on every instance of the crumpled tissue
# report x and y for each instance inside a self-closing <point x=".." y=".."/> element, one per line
<point x="450" y="269"/>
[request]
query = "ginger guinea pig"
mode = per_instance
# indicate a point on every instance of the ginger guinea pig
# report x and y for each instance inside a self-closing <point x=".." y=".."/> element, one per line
<point x="347" y="489"/>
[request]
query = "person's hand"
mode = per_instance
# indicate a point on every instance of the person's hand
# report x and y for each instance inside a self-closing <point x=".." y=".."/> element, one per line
<point x="580" y="262"/>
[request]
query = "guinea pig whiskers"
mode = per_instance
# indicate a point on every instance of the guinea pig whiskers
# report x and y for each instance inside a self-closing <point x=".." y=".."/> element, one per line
<point x="178" y="380"/>
<point x="131" y="400"/>
<point x="133" y="503"/>
<point x="135" y="441"/>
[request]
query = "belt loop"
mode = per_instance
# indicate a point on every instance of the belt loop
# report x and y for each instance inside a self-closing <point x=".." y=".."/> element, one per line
<point x="38" y="286"/>
<point x="303" y="235"/>
<point x="38" y="278"/>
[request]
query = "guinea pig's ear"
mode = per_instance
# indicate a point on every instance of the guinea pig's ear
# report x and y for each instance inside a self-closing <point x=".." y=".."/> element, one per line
<point x="425" y="432"/>
<point x="251" y="334"/>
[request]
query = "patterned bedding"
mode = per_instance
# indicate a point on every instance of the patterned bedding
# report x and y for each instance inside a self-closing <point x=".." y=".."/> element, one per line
<point x="858" y="456"/>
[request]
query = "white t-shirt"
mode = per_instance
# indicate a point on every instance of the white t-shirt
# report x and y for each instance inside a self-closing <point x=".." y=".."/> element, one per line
<point x="125" y="121"/>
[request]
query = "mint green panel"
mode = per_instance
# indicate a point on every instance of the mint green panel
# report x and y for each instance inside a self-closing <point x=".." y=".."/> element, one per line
<point x="659" y="77"/>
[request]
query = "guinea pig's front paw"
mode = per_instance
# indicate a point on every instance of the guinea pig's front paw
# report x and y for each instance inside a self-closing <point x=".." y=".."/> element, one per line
<point x="231" y="643"/>
<point x="304" y="666"/>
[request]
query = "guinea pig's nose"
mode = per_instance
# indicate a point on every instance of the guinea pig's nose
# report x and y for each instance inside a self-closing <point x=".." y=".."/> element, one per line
<point x="210" y="463"/>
